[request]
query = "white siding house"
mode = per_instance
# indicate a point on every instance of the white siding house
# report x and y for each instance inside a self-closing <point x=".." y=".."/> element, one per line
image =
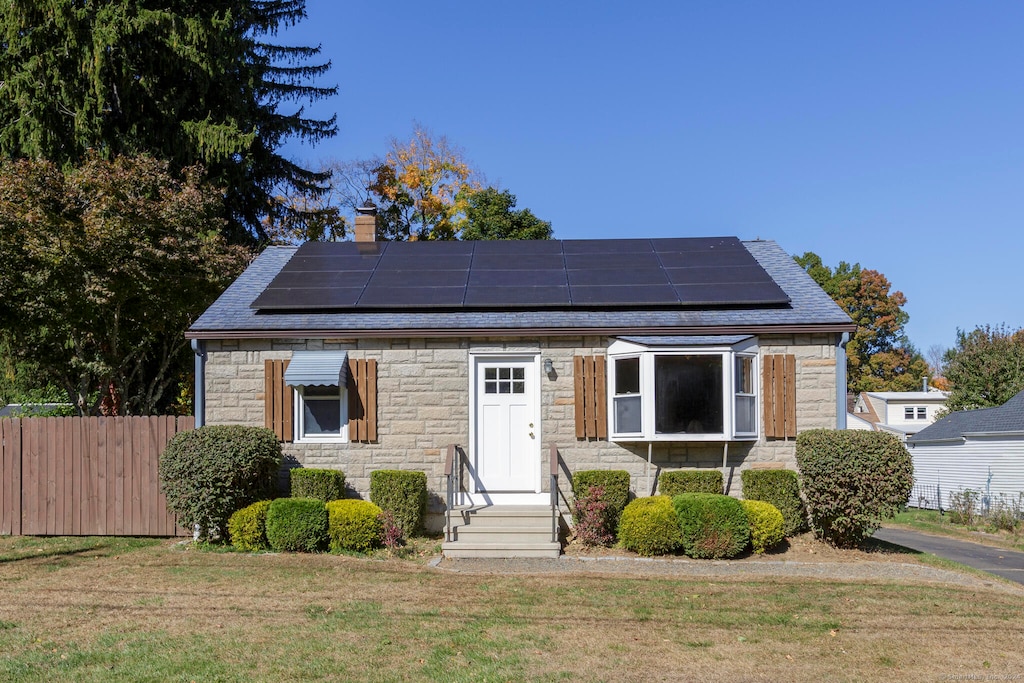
<point x="903" y="413"/>
<point x="981" y="450"/>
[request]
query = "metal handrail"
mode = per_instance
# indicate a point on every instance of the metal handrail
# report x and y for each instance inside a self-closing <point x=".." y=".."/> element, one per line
<point x="553" y="462"/>
<point x="450" y="472"/>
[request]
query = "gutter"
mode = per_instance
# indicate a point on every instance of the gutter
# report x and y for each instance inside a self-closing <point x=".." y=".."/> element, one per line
<point x="199" y="349"/>
<point x="844" y="339"/>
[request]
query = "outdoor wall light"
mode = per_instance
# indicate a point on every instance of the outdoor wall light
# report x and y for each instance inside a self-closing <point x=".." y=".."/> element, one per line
<point x="549" y="367"/>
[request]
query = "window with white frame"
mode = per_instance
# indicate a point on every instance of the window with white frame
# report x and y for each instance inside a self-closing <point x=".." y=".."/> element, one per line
<point x="683" y="393"/>
<point x="321" y="413"/>
<point x="912" y="412"/>
<point x="922" y="413"/>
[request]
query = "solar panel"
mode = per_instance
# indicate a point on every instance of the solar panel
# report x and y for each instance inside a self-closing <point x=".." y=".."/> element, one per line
<point x="496" y="274"/>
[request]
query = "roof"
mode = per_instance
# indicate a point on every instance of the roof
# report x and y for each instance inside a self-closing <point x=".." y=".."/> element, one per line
<point x="935" y="396"/>
<point x="809" y="310"/>
<point x="1008" y="417"/>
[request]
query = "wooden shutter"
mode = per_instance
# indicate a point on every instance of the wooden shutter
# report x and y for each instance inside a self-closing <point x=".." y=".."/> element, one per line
<point x="362" y="399"/>
<point x="591" y="397"/>
<point x="277" y="400"/>
<point x="779" y="395"/>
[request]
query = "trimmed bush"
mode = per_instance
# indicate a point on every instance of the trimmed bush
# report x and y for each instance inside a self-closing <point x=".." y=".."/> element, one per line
<point x="766" y="524"/>
<point x="713" y="526"/>
<point x="673" y="483"/>
<point x="781" y="488"/>
<point x="852" y="481"/>
<point x="297" y="524"/>
<point x="404" y="494"/>
<point x="615" y="496"/>
<point x="247" y="528"/>
<point x="591" y="516"/>
<point x="209" y="473"/>
<point x="649" y="526"/>
<point x="325" y="485"/>
<point x="354" y="525"/>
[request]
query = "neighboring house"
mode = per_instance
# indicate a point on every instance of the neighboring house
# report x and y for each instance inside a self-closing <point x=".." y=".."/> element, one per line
<point x="903" y="413"/>
<point x="634" y="354"/>
<point x="981" y="450"/>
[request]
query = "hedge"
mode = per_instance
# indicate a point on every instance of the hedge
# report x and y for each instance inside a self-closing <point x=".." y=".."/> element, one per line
<point x="852" y="481"/>
<point x="781" y="488"/>
<point x="404" y="494"/>
<point x="210" y="472"/>
<point x="713" y="526"/>
<point x="325" y="485"/>
<point x="766" y="524"/>
<point x="247" y="528"/>
<point x="297" y="524"/>
<point x="673" y="483"/>
<point x="649" y="526"/>
<point x="354" y="525"/>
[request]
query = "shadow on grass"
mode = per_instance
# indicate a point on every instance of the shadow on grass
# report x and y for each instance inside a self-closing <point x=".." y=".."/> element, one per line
<point x="63" y="547"/>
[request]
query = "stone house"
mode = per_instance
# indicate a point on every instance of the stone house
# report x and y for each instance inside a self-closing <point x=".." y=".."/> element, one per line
<point x="633" y="354"/>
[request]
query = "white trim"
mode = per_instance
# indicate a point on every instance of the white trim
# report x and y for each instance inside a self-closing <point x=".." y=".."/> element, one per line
<point x="299" y="418"/>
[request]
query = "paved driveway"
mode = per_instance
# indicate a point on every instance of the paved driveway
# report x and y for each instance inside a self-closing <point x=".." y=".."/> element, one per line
<point x="1008" y="564"/>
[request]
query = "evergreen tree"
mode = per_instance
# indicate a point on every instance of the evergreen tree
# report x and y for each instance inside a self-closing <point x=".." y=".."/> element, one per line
<point x="188" y="82"/>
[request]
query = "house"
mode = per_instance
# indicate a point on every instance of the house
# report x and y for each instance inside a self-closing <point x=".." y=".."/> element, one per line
<point x="634" y="354"/>
<point x="903" y="413"/>
<point x="981" y="450"/>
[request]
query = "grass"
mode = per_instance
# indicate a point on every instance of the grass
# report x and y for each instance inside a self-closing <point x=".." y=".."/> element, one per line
<point x="933" y="522"/>
<point x="131" y="610"/>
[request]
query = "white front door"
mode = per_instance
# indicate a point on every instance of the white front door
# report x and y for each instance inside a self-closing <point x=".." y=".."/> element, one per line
<point x="507" y="424"/>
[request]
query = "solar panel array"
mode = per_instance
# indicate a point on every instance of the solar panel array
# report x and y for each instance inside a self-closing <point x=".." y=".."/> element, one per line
<point x="619" y="273"/>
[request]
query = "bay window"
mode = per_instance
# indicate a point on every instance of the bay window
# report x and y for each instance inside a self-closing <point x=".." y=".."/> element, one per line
<point x="683" y="391"/>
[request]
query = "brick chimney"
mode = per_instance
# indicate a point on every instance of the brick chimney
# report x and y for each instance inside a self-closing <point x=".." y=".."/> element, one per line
<point x="366" y="222"/>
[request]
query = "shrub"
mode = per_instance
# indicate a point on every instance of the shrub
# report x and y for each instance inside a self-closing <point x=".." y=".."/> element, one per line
<point x="649" y="526"/>
<point x="766" y="524"/>
<point x="247" y="528"/>
<point x="392" y="533"/>
<point x="404" y="494"/>
<point x="713" y="526"/>
<point x="963" y="507"/>
<point x="209" y="473"/>
<point x="297" y="524"/>
<point x="781" y="488"/>
<point x="852" y="480"/>
<point x="325" y="485"/>
<point x="591" y="518"/>
<point x="673" y="483"/>
<point x="354" y="525"/>
<point x="615" y="486"/>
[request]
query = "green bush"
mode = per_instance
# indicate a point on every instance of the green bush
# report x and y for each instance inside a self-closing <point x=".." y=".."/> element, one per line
<point x="247" y="527"/>
<point x="673" y="483"/>
<point x="766" y="524"/>
<point x="781" y="488"/>
<point x="713" y="526"/>
<point x="852" y="481"/>
<point x="325" y="485"/>
<point x="210" y="472"/>
<point x="354" y="525"/>
<point x="404" y="494"/>
<point x="649" y="526"/>
<point x="297" y="524"/>
<point x="616" y="491"/>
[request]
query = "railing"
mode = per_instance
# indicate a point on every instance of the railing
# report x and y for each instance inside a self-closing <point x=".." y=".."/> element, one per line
<point x="452" y="472"/>
<point x="553" y="462"/>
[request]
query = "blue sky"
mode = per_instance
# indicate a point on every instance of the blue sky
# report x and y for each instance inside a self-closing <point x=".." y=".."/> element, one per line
<point x="888" y="134"/>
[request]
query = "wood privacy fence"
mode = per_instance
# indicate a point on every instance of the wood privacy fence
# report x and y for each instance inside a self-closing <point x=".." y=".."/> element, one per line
<point x="83" y="476"/>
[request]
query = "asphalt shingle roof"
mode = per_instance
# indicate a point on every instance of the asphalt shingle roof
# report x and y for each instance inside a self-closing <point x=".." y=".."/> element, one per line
<point x="1008" y="417"/>
<point x="231" y="313"/>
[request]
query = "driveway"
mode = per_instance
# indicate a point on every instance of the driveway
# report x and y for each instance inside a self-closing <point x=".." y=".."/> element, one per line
<point x="1008" y="564"/>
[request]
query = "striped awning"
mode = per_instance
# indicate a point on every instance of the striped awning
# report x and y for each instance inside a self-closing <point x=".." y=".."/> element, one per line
<point x="317" y="368"/>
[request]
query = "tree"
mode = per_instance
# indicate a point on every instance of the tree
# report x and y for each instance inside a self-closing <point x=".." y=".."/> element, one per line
<point x="490" y="216"/>
<point x="106" y="265"/>
<point x="188" y="82"/>
<point x="879" y="355"/>
<point x="426" y="189"/>
<point x="986" y="367"/>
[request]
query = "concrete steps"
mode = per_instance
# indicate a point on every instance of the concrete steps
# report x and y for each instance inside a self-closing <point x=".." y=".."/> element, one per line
<point x="501" y="531"/>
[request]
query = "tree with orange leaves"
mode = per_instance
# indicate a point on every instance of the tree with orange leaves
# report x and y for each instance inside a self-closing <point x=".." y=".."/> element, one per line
<point x="879" y="356"/>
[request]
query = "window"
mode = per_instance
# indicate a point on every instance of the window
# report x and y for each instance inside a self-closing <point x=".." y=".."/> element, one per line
<point x="922" y="413"/>
<point x="908" y="413"/>
<point x="683" y="393"/>
<point x="320" y="413"/>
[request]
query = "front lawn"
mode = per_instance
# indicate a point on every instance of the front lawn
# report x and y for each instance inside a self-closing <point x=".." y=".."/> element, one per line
<point x="118" y="609"/>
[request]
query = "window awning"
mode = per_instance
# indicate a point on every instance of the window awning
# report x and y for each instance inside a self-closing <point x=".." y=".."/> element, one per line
<point x="705" y="340"/>
<point x="317" y="368"/>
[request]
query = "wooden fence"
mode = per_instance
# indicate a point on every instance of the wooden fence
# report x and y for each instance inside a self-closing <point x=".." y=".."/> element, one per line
<point x="84" y="476"/>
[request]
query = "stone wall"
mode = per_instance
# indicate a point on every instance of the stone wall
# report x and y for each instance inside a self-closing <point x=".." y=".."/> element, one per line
<point x="423" y="406"/>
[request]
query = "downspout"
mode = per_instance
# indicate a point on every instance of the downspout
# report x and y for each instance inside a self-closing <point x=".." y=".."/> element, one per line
<point x="199" y="348"/>
<point x="844" y="339"/>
